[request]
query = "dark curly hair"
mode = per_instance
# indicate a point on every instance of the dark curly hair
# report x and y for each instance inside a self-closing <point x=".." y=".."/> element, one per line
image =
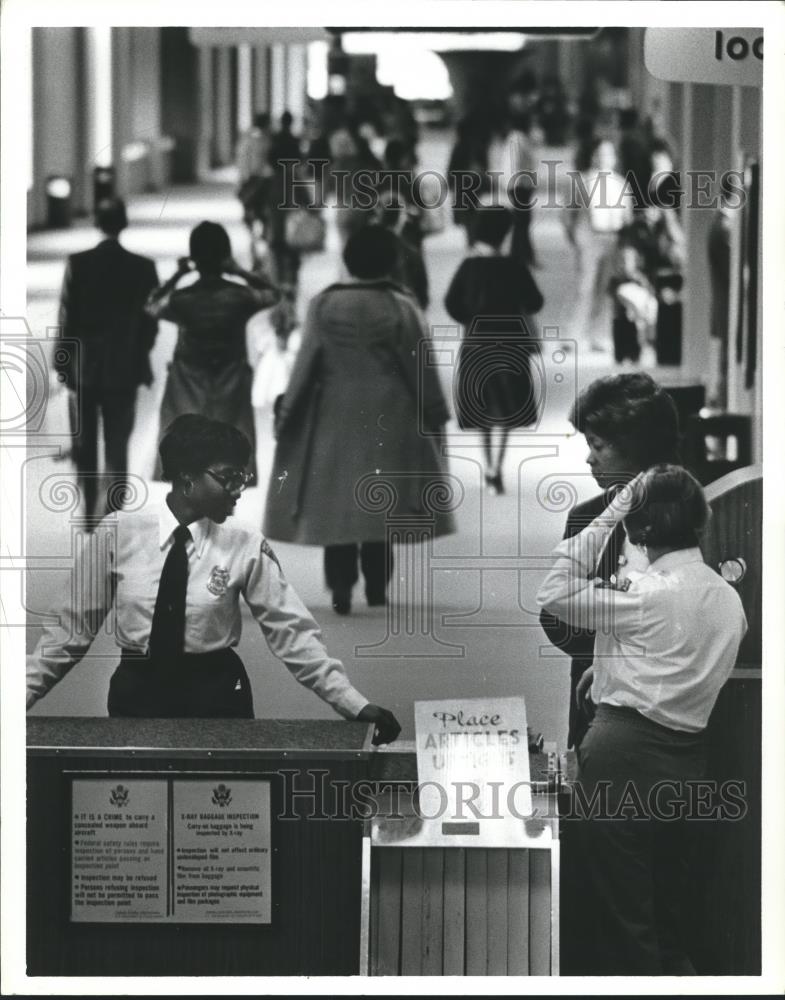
<point x="193" y="442"/>
<point x="371" y="252"/>
<point x="669" y="509"/>
<point x="635" y="414"/>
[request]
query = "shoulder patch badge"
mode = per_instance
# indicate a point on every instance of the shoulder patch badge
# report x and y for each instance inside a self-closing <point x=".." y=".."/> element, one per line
<point x="269" y="552"/>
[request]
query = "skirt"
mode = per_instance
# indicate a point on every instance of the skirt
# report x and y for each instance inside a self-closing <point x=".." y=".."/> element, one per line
<point x="499" y="383"/>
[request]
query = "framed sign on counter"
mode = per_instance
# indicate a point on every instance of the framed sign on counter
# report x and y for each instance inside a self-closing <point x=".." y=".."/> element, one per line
<point x="164" y="850"/>
<point x="221" y="866"/>
<point x="119" y="848"/>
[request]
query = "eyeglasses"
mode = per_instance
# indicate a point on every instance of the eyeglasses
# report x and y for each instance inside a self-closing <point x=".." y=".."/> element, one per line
<point x="232" y="482"/>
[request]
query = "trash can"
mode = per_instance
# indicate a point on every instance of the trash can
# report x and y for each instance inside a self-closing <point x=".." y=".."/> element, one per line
<point x="59" y="201"/>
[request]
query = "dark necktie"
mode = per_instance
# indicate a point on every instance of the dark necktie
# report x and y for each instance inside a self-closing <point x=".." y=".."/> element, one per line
<point x="167" y="634"/>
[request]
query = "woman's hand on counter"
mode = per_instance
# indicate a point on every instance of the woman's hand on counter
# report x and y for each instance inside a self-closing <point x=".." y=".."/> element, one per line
<point x="387" y="728"/>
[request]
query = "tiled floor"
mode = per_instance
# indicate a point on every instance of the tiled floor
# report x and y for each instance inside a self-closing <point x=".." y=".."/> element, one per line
<point x="478" y="632"/>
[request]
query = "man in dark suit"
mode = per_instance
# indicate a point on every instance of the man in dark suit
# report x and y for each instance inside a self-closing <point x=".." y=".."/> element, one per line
<point x="102" y="308"/>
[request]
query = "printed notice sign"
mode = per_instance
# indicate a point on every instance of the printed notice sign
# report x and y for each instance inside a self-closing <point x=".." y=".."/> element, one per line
<point x="119" y="850"/>
<point x="473" y="758"/>
<point x="221" y="862"/>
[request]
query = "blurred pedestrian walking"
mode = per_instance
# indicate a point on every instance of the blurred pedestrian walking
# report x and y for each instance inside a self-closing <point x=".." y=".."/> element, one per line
<point x="599" y="207"/>
<point x="255" y="177"/>
<point x="102" y="308"/>
<point x="493" y="296"/>
<point x="468" y="171"/>
<point x="209" y="373"/>
<point x="360" y="419"/>
<point x="285" y="164"/>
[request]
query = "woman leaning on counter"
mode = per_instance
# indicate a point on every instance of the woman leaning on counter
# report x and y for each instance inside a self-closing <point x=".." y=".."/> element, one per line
<point x="666" y="642"/>
<point x="174" y="574"/>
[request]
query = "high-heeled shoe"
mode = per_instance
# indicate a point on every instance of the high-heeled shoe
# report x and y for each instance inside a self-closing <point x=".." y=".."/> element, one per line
<point x="495" y="484"/>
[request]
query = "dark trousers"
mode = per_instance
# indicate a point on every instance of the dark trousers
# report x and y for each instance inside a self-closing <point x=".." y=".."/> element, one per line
<point x="286" y="264"/>
<point x="117" y="410"/>
<point x="199" y="686"/>
<point x="376" y="561"/>
<point x="631" y="868"/>
<point x="625" y="338"/>
<point x="521" y="248"/>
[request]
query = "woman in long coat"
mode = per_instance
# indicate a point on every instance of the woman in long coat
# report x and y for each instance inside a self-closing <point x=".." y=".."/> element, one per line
<point x="359" y="425"/>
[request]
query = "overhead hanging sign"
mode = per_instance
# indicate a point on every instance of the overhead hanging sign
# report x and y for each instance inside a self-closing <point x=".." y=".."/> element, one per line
<point x="732" y="56"/>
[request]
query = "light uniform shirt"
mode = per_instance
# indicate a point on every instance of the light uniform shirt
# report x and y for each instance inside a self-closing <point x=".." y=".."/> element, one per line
<point x="630" y="565"/>
<point x="667" y="644"/>
<point x="118" y="573"/>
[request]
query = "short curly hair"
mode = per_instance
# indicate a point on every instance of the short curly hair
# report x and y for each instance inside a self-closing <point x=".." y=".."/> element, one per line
<point x="669" y="509"/>
<point x="371" y="252"/>
<point x="192" y="443"/>
<point x="634" y="414"/>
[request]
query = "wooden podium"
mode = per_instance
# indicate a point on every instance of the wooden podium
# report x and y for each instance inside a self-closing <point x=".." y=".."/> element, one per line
<point x="478" y="902"/>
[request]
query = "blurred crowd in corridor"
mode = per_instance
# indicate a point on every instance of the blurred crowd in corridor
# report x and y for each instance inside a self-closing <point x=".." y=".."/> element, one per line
<point x="320" y="367"/>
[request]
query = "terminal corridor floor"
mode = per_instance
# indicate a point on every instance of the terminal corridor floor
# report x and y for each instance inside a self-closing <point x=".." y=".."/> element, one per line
<point x="462" y="619"/>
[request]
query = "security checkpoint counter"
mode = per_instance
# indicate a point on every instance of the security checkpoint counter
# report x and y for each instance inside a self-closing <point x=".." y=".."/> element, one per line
<point x="161" y="847"/>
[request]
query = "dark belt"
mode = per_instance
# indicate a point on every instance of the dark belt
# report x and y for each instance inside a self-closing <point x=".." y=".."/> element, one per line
<point x="211" y="685"/>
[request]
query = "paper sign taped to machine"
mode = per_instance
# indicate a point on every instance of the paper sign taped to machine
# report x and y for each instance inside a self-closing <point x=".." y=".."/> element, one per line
<point x="732" y="56"/>
<point x="474" y="741"/>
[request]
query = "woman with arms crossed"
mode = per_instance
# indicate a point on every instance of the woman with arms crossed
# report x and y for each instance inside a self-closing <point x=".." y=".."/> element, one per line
<point x="666" y="641"/>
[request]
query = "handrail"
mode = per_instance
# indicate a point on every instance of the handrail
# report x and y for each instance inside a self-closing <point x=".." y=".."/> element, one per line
<point x="733" y="479"/>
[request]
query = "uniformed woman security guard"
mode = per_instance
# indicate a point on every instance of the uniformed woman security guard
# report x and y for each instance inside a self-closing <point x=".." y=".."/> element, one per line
<point x="175" y="573"/>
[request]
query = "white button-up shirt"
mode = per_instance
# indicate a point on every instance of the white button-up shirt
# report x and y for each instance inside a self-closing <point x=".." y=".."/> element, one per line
<point x="118" y="572"/>
<point x="667" y="644"/>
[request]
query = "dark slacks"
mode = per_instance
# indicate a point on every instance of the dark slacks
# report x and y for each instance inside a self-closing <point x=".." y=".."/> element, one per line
<point x="631" y="861"/>
<point x="286" y="264"/>
<point x="625" y="338"/>
<point x="521" y="248"/>
<point x="211" y="685"/>
<point x="376" y="562"/>
<point x="117" y="410"/>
